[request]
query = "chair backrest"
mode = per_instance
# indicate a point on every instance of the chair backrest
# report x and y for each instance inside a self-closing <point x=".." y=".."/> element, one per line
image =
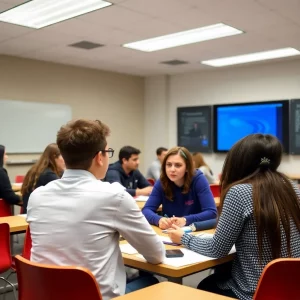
<point x="5" y="255"/>
<point x="215" y="189"/>
<point x="5" y="208"/>
<point x="27" y="245"/>
<point x="47" y="282"/>
<point x="151" y="181"/>
<point x="279" y="280"/>
<point x="19" y="178"/>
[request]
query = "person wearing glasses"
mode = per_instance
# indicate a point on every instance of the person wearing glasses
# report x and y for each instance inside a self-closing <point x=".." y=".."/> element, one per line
<point x="49" y="167"/>
<point x="77" y="220"/>
<point x="125" y="171"/>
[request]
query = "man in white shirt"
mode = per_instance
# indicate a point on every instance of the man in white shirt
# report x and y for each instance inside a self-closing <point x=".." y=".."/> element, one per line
<point x="77" y="220"/>
<point x="154" y="169"/>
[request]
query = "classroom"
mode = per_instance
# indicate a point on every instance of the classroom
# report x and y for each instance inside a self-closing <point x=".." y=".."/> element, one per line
<point x="86" y="63"/>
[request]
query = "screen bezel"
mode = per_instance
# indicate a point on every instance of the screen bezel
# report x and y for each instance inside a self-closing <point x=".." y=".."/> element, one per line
<point x="285" y="121"/>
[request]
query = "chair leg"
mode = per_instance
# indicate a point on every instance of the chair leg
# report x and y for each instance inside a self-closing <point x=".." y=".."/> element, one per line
<point x="13" y="287"/>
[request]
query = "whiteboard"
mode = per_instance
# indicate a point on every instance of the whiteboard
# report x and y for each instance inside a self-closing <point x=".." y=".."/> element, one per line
<point x="28" y="127"/>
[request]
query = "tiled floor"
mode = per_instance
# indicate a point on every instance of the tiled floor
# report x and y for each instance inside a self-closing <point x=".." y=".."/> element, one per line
<point x="191" y="281"/>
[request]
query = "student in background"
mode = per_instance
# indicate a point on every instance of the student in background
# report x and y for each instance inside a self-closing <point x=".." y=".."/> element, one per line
<point x="77" y="220"/>
<point x="154" y="169"/>
<point x="260" y="216"/>
<point x="125" y="171"/>
<point x="49" y="167"/>
<point x="6" y="192"/>
<point x="201" y="165"/>
<point x="183" y="192"/>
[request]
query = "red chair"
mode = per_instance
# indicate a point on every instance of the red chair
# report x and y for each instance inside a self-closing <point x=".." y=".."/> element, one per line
<point x="47" y="282"/>
<point x="151" y="181"/>
<point x="5" y="255"/>
<point x="279" y="280"/>
<point x="26" y="252"/>
<point x="5" y="209"/>
<point x="215" y="189"/>
<point x="19" y="178"/>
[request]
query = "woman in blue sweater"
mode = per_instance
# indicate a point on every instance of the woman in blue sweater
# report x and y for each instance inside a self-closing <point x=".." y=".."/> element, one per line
<point x="183" y="192"/>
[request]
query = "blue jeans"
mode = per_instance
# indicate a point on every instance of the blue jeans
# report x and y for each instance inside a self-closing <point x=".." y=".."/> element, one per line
<point x="140" y="283"/>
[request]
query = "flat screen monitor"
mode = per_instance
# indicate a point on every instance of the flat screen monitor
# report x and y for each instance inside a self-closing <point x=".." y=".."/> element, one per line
<point x="235" y="121"/>
<point x="295" y="127"/>
<point x="194" y="128"/>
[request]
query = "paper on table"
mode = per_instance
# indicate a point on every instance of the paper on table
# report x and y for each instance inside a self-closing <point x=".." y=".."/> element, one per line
<point x="128" y="249"/>
<point x="23" y="216"/>
<point x="190" y="257"/>
<point x="17" y="184"/>
<point x="141" y="198"/>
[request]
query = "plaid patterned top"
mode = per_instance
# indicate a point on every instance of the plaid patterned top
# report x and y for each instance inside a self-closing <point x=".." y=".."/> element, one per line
<point x="237" y="226"/>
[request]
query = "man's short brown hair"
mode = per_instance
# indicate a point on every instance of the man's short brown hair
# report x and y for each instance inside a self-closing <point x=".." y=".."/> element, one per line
<point x="80" y="140"/>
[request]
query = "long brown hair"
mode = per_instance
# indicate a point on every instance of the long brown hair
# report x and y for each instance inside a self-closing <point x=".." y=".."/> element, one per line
<point x="47" y="160"/>
<point x="167" y="184"/>
<point x="199" y="161"/>
<point x="254" y="160"/>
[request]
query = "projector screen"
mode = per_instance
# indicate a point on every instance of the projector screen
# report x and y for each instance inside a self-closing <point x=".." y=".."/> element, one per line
<point x="235" y="121"/>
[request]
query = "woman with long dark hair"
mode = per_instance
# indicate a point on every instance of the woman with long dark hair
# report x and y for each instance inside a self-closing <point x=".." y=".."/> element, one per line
<point x="48" y="168"/>
<point x="6" y="192"/>
<point x="260" y="216"/>
<point x="183" y="192"/>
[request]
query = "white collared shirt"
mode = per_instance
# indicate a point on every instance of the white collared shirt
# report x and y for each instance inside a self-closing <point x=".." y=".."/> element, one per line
<point x="76" y="220"/>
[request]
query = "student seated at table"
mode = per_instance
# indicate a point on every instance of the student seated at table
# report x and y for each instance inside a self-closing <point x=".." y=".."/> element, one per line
<point x="183" y="192"/>
<point x="125" y="171"/>
<point x="48" y="168"/>
<point x="6" y="192"/>
<point x="260" y="216"/>
<point x="155" y="167"/>
<point x="77" y="220"/>
<point x="201" y="165"/>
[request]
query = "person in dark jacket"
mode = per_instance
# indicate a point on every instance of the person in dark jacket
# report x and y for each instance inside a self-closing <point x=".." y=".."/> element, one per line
<point x="48" y="168"/>
<point x="125" y="171"/>
<point x="6" y="192"/>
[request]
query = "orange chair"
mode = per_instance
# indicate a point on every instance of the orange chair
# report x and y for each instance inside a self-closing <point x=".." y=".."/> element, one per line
<point x="47" y="282"/>
<point x="19" y="178"/>
<point x="151" y="181"/>
<point x="5" y="209"/>
<point x="279" y="280"/>
<point x="5" y="255"/>
<point x="215" y="189"/>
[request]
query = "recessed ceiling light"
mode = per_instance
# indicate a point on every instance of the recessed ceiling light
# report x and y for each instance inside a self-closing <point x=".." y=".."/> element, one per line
<point x="184" y="37"/>
<point x="41" y="13"/>
<point x="258" y="56"/>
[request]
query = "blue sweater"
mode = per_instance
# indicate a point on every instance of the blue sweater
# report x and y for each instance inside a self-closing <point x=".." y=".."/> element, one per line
<point x="197" y="205"/>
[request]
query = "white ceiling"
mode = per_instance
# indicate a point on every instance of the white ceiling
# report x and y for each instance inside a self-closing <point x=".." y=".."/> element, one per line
<point x="268" y="24"/>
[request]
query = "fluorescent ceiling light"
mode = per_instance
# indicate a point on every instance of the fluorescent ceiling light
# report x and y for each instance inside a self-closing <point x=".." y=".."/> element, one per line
<point x="184" y="37"/>
<point x="258" y="56"/>
<point x="41" y="13"/>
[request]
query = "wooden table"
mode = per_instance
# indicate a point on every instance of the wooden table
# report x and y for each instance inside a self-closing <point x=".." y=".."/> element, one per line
<point x="16" y="187"/>
<point x="174" y="274"/>
<point x="16" y="223"/>
<point x="172" y="291"/>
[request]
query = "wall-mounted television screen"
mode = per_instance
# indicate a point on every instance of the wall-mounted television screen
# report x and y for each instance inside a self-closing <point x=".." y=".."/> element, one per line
<point x="295" y="127"/>
<point x="194" y="125"/>
<point x="234" y="121"/>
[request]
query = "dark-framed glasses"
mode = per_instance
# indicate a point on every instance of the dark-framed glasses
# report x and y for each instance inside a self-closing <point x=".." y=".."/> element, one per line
<point x="110" y="152"/>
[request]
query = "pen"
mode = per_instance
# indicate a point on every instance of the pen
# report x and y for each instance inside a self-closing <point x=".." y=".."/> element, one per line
<point x="170" y="243"/>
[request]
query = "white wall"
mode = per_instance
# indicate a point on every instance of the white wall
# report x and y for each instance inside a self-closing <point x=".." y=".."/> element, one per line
<point x="237" y="84"/>
<point x="116" y="99"/>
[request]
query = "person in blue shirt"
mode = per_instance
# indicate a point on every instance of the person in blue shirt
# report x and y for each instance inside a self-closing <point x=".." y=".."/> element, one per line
<point x="184" y="193"/>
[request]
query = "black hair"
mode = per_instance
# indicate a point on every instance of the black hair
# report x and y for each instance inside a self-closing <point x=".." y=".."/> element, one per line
<point x="127" y="151"/>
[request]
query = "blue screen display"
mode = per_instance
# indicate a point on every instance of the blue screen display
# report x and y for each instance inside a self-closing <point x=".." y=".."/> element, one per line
<point x="236" y="121"/>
